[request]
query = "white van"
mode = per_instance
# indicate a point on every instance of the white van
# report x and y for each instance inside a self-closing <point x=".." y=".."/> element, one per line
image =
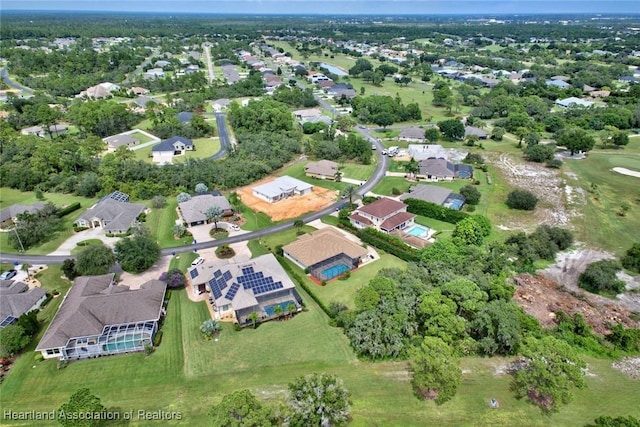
<point x="197" y="261"/>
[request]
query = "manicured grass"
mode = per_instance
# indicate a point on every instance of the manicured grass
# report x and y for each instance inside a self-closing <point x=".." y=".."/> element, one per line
<point x="254" y="220"/>
<point x="83" y="244"/>
<point x="359" y="171"/>
<point x="205" y="147"/>
<point x="297" y="171"/>
<point x="444" y="229"/>
<point x="388" y="183"/>
<point x="601" y="225"/>
<point x="141" y="137"/>
<point x="284" y="237"/>
<point x="143" y="154"/>
<point x="329" y="219"/>
<point x="161" y="221"/>
<point x="256" y="248"/>
<point x="9" y="196"/>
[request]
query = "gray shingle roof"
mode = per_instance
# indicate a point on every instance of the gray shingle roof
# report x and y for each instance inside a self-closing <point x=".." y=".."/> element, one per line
<point x="437" y="167"/>
<point x="428" y="193"/>
<point x="412" y="133"/>
<point x="94" y="302"/>
<point x="170" y="144"/>
<point x="116" y="215"/>
<point x="14" y="210"/>
<point x="193" y="210"/>
<point x="14" y="302"/>
<point x="116" y="141"/>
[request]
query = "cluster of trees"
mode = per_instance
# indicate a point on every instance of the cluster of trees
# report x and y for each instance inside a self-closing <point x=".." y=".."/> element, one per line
<point x="384" y="110"/>
<point x="15" y="337"/>
<point x="350" y="147"/>
<point x="294" y="96"/>
<point x="101" y="118"/>
<point x="138" y="252"/>
<point x="452" y="129"/>
<point x="313" y="400"/>
<point x="32" y="229"/>
<point x="165" y="124"/>
<point x="600" y="277"/>
<point x="544" y="243"/>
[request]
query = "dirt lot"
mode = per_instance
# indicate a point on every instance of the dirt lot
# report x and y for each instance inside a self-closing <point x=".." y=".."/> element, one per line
<point x="288" y="208"/>
<point x="559" y="202"/>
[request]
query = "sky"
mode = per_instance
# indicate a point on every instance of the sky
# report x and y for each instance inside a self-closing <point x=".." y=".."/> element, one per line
<point x="356" y="7"/>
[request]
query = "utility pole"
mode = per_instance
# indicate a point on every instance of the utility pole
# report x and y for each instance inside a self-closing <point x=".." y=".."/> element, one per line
<point x="19" y="240"/>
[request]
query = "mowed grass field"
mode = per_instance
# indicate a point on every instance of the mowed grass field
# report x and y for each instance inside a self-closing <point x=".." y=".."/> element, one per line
<point x="189" y="375"/>
<point x="9" y="196"/>
<point x="601" y="223"/>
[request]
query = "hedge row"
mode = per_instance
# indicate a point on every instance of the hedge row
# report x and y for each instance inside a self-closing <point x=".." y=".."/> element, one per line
<point x="66" y="211"/>
<point x="388" y="243"/>
<point x="300" y="281"/>
<point x="431" y="210"/>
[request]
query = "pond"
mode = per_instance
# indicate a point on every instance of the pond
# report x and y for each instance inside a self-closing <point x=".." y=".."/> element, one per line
<point x="333" y="69"/>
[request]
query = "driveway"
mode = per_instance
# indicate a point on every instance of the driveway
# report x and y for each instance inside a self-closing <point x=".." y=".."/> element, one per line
<point x="134" y="281"/>
<point x="92" y="233"/>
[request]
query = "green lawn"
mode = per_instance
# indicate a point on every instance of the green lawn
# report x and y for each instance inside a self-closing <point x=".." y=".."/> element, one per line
<point x="388" y="183"/>
<point x="161" y="221"/>
<point x="359" y="171"/>
<point x="141" y="137"/>
<point x="205" y="147"/>
<point x="601" y="225"/>
<point x="297" y="171"/>
<point x="254" y="220"/>
<point x="83" y="244"/>
<point x="9" y="196"/>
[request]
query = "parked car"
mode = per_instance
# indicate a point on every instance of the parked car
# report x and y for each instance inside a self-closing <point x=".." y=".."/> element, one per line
<point x="235" y="227"/>
<point x="9" y="274"/>
<point x="197" y="261"/>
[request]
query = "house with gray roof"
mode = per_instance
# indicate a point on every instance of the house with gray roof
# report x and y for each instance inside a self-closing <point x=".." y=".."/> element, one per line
<point x="238" y="289"/>
<point x="442" y="170"/>
<point x="193" y="211"/>
<point x="17" y="299"/>
<point x="99" y="318"/>
<point x="558" y="83"/>
<point x="572" y="101"/>
<point x="434" y="194"/>
<point x="411" y="134"/>
<point x="119" y="140"/>
<point x="8" y="216"/>
<point x="282" y="188"/>
<point x="111" y="215"/>
<point x="474" y="131"/>
<point x="164" y="151"/>
<point x="323" y="169"/>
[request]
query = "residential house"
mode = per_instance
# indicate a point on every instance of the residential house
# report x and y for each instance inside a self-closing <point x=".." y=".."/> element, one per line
<point x="431" y="151"/>
<point x="193" y="211"/>
<point x="99" y="318"/>
<point x="339" y="90"/>
<point x="54" y="130"/>
<point x="323" y="169"/>
<point x="434" y="194"/>
<point x="384" y="214"/>
<point x="220" y="104"/>
<point x="119" y="140"/>
<point x="325" y="253"/>
<point x="558" y="83"/>
<point x="443" y="170"/>
<point x="142" y="101"/>
<point x="573" y="102"/>
<point x="17" y="299"/>
<point x="411" y="134"/>
<point x="99" y="91"/>
<point x="137" y="90"/>
<point x="153" y="73"/>
<point x="471" y="131"/>
<point x="112" y="215"/>
<point x="161" y="63"/>
<point x="240" y="288"/>
<point x="9" y="215"/>
<point x="164" y="152"/>
<point x="282" y="188"/>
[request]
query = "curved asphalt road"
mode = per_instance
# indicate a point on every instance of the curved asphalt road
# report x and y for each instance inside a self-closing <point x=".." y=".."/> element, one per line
<point x="5" y="76"/>
<point x="383" y="162"/>
<point x="223" y="133"/>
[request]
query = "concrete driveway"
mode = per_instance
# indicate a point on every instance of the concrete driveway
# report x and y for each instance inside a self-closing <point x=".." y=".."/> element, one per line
<point x="92" y="233"/>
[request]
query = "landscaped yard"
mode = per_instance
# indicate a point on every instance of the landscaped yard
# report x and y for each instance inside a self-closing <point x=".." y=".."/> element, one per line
<point x="297" y="171"/>
<point x="161" y="221"/>
<point x="205" y="147"/>
<point x="141" y="137"/>
<point x="359" y="171"/>
<point x="10" y="196"/>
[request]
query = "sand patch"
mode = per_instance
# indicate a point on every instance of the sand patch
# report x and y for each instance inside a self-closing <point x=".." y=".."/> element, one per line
<point x="625" y="171"/>
<point x="292" y="207"/>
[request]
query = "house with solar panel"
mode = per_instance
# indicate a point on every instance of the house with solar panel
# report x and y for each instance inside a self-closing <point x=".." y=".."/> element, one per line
<point x="238" y="289"/>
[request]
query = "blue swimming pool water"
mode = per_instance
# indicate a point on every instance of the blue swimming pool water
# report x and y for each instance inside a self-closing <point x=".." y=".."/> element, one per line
<point x="456" y="204"/>
<point x="336" y="270"/>
<point x="335" y="70"/>
<point x="418" y="231"/>
<point x="125" y="342"/>
<point x="271" y="309"/>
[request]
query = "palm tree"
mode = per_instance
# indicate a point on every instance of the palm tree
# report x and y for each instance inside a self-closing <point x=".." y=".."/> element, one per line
<point x="291" y="308"/>
<point x="253" y="316"/>
<point x="278" y="311"/>
<point x="337" y="176"/>
<point x="214" y="213"/>
<point x="350" y="192"/>
<point x="298" y="224"/>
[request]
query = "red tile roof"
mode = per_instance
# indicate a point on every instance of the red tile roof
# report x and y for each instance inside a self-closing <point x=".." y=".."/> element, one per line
<point x="383" y="207"/>
<point x="362" y="220"/>
<point x="396" y="220"/>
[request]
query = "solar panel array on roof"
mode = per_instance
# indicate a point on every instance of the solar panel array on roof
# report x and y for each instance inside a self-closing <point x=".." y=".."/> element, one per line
<point x="7" y="321"/>
<point x="218" y="283"/>
<point x="217" y="274"/>
<point x="232" y="291"/>
<point x="119" y="196"/>
<point x="257" y="282"/>
<point x="194" y="273"/>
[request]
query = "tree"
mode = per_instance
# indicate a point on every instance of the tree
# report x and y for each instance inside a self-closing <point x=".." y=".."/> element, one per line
<point x="69" y="268"/>
<point x="383" y="119"/>
<point x="469" y="232"/>
<point x="631" y="259"/>
<point x="174" y="278"/>
<point x="620" y="139"/>
<point x="158" y="201"/>
<point x="432" y="134"/>
<point x="209" y="328"/>
<point x="498" y="133"/>
<point x="12" y="339"/>
<point x="201" y="188"/>
<point x="183" y="197"/>
<point x="95" y="260"/>
<point x="298" y="224"/>
<point x="607" y="421"/>
<point x="291" y="308"/>
<point x="522" y="200"/>
<point x="539" y="153"/>
<point x="80" y="403"/>
<point x="600" y="276"/>
<point x="318" y="400"/>
<point x="575" y="139"/>
<point x="278" y="310"/>
<point x="435" y="371"/>
<point x="548" y="372"/>
<point x="532" y="138"/>
<point x="471" y="194"/>
<point x="349" y="192"/>
<point x="253" y="317"/>
<point x="452" y="129"/>
<point x="179" y="230"/>
<point x="214" y="214"/>
<point x="136" y="254"/>
<point x="496" y="328"/>
<point x="242" y="409"/>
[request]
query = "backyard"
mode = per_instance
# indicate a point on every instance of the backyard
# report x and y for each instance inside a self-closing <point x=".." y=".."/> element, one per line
<point x="204" y="147"/>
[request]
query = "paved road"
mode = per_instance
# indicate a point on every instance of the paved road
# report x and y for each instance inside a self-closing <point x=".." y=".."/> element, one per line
<point x="138" y="70"/>
<point x="223" y="133"/>
<point x="4" y="74"/>
<point x="207" y="53"/>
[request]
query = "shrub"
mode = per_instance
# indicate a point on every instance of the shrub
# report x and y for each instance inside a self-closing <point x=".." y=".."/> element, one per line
<point x="237" y="327"/>
<point x="432" y="210"/>
<point x="225" y="251"/>
<point x="471" y="194"/>
<point x="554" y="163"/>
<point x="158" y="202"/>
<point x="68" y="209"/>
<point x="395" y="191"/>
<point x="368" y="199"/>
<point x="389" y="244"/>
<point x="522" y="200"/>
<point x="62" y="364"/>
<point x="38" y="357"/>
<point x="631" y="260"/>
<point x="157" y="339"/>
<point x="539" y="153"/>
<point x="600" y="276"/>
<point x="148" y="350"/>
<point x="183" y="197"/>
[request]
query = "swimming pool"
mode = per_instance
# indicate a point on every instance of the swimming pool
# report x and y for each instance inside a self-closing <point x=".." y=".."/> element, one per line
<point x="456" y="204"/>
<point x="335" y="271"/>
<point x="126" y="342"/>
<point x="418" y="231"/>
<point x="271" y="309"/>
<point x="333" y="69"/>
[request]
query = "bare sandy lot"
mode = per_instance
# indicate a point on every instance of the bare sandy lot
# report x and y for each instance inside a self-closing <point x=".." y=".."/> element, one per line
<point x="625" y="171"/>
<point x="289" y="208"/>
